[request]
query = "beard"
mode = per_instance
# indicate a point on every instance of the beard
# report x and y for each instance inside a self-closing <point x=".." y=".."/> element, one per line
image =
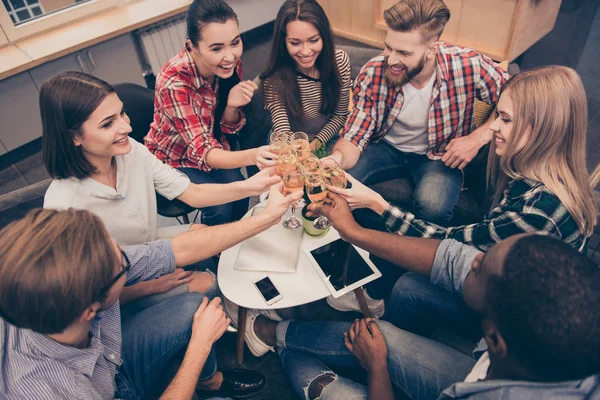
<point x="405" y="77"/>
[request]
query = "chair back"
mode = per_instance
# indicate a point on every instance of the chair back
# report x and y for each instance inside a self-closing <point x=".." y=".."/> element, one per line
<point x="138" y="102"/>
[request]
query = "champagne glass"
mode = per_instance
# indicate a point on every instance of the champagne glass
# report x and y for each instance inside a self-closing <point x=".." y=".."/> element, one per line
<point x="317" y="192"/>
<point x="303" y="155"/>
<point x="286" y="162"/>
<point x="300" y="142"/>
<point x="293" y="180"/>
<point x="279" y="142"/>
<point x="310" y="164"/>
<point x="333" y="173"/>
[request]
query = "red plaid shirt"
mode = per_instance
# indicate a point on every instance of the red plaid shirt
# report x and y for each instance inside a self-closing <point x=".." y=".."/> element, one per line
<point x="461" y="76"/>
<point x="181" y="134"/>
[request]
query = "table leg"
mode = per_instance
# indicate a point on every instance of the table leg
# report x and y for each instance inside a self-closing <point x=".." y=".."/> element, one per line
<point x="241" y="335"/>
<point x="362" y="302"/>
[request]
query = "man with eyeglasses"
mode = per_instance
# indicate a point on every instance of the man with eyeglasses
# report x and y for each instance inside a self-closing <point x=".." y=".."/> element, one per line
<point x="60" y="323"/>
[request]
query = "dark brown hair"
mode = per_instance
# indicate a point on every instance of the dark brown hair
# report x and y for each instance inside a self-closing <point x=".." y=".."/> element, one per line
<point x="428" y="16"/>
<point x="53" y="265"/>
<point x="281" y="68"/>
<point x="66" y="101"/>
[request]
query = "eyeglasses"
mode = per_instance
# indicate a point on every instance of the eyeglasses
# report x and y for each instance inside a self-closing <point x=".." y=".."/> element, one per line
<point x="125" y="267"/>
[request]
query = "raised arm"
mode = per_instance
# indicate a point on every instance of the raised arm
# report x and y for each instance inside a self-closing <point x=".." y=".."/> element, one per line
<point x="481" y="235"/>
<point x="215" y="239"/>
<point x="210" y="194"/>
<point x="414" y="254"/>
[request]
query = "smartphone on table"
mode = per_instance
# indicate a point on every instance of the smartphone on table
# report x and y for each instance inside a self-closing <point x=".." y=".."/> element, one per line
<point x="268" y="290"/>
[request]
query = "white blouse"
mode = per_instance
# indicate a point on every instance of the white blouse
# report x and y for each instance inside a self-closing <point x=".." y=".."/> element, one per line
<point x="129" y="213"/>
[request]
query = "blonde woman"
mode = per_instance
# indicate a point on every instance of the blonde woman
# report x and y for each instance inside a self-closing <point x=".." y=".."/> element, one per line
<point x="536" y="167"/>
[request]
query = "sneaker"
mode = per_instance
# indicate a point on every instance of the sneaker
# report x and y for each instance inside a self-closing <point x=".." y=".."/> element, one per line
<point x="256" y="346"/>
<point x="349" y="302"/>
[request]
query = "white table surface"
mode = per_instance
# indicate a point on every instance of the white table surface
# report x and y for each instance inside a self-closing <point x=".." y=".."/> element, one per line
<point x="300" y="287"/>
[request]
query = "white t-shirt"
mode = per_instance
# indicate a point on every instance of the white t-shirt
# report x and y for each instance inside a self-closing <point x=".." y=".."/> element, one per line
<point x="480" y="369"/>
<point x="129" y="213"/>
<point x="409" y="132"/>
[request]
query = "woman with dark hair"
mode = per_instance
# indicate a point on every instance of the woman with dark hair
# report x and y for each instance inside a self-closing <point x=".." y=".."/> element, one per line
<point x="97" y="167"/>
<point x="198" y="103"/>
<point x="307" y="82"/>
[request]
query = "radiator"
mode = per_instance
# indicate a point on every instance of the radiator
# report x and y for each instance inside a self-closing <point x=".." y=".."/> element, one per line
<point x="162" y="41"/>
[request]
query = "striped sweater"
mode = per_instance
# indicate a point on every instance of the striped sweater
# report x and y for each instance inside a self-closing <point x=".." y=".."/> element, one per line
<point x="315" y="124"/>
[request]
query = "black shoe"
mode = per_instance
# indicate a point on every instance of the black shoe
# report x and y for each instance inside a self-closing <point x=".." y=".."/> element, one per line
<point x="242" y="383"/>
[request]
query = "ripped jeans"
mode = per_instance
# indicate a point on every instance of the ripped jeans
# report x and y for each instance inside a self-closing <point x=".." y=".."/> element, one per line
<point x="419" y="368"/>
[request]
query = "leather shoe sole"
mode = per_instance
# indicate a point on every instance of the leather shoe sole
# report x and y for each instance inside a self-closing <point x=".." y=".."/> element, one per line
<point x="242" y="383"/>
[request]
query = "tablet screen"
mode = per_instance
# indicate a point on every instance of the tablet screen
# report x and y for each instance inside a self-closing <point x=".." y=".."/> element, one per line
<point x="341" y="263"/>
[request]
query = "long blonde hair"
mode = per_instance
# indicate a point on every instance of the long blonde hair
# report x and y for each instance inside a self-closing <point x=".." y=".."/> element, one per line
<point x="551" y="102"/>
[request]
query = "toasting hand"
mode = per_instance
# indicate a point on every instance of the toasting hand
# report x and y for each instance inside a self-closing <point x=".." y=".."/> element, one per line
<point x="338" y="212"/>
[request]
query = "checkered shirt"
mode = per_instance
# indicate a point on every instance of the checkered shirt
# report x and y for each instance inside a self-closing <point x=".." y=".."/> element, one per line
<point x="181" y="134"/>
<point x="526" y="206"/>
<point x="462" y="75"/>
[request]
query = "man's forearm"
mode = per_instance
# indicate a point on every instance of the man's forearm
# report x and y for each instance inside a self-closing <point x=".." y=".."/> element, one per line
<point x="414" y="254"/>
<point x="202" y="243"/>
<point x="345" y="153"/>
<point x="137" y="291"/>
<point x="380" y="385"/>
<point x="184" y="384"/>
<point x="484" y="134"/>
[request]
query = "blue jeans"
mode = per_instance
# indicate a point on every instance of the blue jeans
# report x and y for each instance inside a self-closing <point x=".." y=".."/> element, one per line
<point x="224" y="213"/>
<point x="135" y="306"/>
<point x="418" y="367"/>
<point x="152" y="339"/>
<point x="437" y="187"/>
<point x="417" y="305"/>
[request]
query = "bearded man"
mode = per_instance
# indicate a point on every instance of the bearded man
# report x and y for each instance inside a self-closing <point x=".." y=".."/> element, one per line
<point x="414" y="108"/>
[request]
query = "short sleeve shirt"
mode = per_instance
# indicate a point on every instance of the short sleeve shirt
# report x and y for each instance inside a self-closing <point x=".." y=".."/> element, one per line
<point x="129" y="213"/>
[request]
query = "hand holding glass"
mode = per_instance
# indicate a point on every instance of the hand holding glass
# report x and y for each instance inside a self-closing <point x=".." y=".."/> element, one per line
<point x="317" y="193"/>
<point x="293" y="180"/>
<point x="333" y="173"/>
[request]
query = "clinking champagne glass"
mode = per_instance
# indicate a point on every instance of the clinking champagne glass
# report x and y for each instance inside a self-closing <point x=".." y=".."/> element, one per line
<point x="317" y="192"/>
<point x="300" y="142"/>
<point x="310" y="165"/>
<point x="279" y="142"/>
<point x="333" y="173"/>
<point x="286" y="162"/>
<point x="293" y="180"/>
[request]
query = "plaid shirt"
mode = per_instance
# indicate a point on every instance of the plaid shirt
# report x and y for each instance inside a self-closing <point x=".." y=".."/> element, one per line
<point x="181" y="134"/>
<point x="461" y="76"/>
<point x="526" y="206"/>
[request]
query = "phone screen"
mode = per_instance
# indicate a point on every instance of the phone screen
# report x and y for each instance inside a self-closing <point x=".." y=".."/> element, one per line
<point x="341" y="263"/>
<point x="267" y="289"/>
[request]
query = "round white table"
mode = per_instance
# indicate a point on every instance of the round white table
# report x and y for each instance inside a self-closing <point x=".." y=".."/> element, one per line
<point x="300" y="287"/>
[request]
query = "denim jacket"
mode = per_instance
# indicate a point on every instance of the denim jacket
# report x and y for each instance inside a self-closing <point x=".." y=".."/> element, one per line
<point x="451" y="266"/>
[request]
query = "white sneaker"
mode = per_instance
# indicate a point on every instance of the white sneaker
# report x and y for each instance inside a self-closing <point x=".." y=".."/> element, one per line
<point x="256" y="346"/>
<point x="349" y="302"/>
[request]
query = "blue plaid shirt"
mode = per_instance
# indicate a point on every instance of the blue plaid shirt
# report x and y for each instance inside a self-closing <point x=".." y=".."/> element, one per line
<point x="33" y="366"/>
